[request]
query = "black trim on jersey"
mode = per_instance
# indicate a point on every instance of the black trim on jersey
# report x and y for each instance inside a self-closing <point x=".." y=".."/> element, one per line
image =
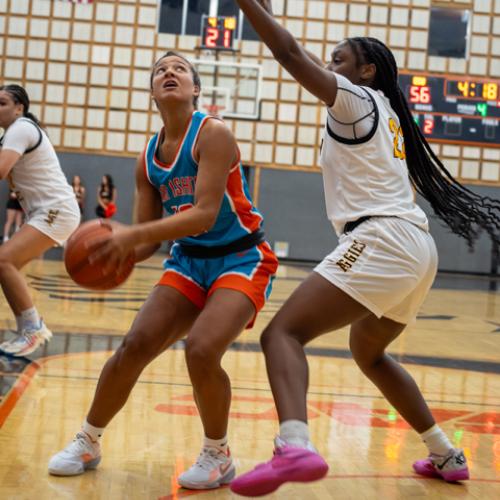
<point x="40" y="136"/>
<point x="366" y="138"/>
<point x="350" y="123"/>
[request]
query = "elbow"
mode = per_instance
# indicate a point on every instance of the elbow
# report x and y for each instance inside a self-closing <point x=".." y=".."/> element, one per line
<point x="282" y="55"/>
<point x="286" y="54"/>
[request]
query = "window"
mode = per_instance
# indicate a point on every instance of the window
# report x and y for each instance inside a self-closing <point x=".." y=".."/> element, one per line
<point x="183" y="17"/>
<point x="448" y="32"/>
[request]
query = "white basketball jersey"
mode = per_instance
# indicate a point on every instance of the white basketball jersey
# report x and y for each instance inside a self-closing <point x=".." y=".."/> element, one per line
<point x="363" y="159"/>
<point x="36" y="177"/>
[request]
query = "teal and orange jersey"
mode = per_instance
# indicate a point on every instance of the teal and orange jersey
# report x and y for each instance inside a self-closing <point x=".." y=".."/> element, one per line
<point x="176" y="182"/>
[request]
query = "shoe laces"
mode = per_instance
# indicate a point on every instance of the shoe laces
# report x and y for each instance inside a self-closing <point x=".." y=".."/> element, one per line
<point x="210" y="458"/>
<point x="80" y="444"/>
<point x="32" y="329"/>
<point x="25" y="338"/>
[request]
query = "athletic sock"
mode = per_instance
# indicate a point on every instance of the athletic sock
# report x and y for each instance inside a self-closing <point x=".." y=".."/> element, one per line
<point x="94" y="433"/>
<point x="30" y="318"/>
<point x="19" y="323"/>
<point x="436" y="440"/>
<point x="295" y="432"/>
<point x="220" y="444"/>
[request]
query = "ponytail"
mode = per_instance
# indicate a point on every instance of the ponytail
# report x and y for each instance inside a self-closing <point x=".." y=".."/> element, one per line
<point x="464" y="211"/>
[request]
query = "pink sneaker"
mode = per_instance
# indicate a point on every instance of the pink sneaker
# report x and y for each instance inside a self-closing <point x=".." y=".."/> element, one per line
<point x="288" y="464"/>
<point x="451" y="467"/>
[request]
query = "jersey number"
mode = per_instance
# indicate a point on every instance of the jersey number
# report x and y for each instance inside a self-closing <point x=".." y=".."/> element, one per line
<point x="181" y="208"/>
<point x="398" y="139"/>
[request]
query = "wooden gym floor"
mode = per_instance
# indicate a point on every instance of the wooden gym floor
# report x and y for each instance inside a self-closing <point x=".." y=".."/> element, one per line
<point x="453" y="352"/>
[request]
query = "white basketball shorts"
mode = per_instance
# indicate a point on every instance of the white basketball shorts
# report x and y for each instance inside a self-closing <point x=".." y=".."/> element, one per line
<point x="386" y="264"/>
<point x="57" y="222"/>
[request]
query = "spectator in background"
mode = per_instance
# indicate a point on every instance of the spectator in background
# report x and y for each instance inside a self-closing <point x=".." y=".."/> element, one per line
<point x="79" y="190"/>
<point x="14" y="216"/>
<point x="106" y="198"/>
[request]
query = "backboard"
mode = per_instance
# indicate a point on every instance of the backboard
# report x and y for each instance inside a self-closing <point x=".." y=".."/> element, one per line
<point x="230" y="89"/>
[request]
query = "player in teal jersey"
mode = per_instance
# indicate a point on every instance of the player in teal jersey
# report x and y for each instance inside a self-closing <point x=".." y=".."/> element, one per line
<point x="217" y="279"/>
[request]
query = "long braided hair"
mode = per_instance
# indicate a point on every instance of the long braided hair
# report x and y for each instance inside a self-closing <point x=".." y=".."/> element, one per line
<point x="460" y="208"/>
<point x="20" y="96"/>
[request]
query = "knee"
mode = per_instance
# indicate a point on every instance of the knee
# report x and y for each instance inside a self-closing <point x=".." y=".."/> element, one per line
<point x="201" y="358"/>
<point x="366" y="361"/>
<point x="137" y="349"/>
<point x="267" y="337"/>
<point x="275" y="334"/>
<point x="5" y="264"/>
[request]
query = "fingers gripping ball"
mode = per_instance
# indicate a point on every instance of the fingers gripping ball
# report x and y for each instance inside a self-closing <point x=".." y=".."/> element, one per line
<point x="92" y="275"/>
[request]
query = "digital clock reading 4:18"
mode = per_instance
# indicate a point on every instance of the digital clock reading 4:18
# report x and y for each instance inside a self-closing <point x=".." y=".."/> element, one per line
<point x="487" y="91"/>
<point x="452" y="109"/>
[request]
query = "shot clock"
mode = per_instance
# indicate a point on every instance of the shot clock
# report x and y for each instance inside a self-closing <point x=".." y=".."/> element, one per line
<point x="454" y="109"/>
<point x="217" y="33"/>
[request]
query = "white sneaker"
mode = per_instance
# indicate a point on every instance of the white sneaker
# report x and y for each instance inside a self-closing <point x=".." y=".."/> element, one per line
<point x="14" y="336"/>
<point x="29" y="341"/>
<point x="212" y="469"/>
<point x="80" y="455"/>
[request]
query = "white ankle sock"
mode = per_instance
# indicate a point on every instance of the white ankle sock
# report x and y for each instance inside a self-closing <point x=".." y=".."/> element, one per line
<point x="19" y="323"/>
<point x="436" y="440"/>
<point x="295" y="432"/>
<point x="94" y="433"/>
<point x="220" y="444"/>
<point x="30" y="318"/>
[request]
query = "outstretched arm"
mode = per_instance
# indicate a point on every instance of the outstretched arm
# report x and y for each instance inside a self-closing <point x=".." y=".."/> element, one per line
<point x="302" y="65"/>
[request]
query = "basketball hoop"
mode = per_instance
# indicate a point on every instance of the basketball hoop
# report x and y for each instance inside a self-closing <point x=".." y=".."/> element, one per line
<point x="213" y="109"/>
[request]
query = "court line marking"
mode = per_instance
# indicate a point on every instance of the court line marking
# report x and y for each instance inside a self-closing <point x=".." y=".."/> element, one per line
<point x="24" y="378"/>
<point x="15" y="393"/>
<point x="267" y="390"/>
<point x="188" y="493"/>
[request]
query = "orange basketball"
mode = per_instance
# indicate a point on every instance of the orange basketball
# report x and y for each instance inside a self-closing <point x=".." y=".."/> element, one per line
<point x="76" y="256"/>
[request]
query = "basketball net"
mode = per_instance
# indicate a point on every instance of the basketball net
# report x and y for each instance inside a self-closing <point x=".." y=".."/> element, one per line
<point x="213" y="109"/>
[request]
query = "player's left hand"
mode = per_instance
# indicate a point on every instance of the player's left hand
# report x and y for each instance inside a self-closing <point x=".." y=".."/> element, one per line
<point x="112" y="250"/>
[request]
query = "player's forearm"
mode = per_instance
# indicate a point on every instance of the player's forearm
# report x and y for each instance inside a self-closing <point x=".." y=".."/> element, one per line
<point x="280" y="42"/>
<point x="144" y="251"/>
<point x="188" y="223"/>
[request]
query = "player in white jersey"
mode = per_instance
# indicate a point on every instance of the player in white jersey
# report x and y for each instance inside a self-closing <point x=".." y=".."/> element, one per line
<point x="386" y="260"/>
<point x="29" y="162"/>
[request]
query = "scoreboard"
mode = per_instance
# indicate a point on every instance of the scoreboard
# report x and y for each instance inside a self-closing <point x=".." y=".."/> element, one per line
<point x="217" y="33"/>
<point x="454" y="109"/>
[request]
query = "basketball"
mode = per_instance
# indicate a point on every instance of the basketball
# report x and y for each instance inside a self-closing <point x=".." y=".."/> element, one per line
<point x="81" y="271"/>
